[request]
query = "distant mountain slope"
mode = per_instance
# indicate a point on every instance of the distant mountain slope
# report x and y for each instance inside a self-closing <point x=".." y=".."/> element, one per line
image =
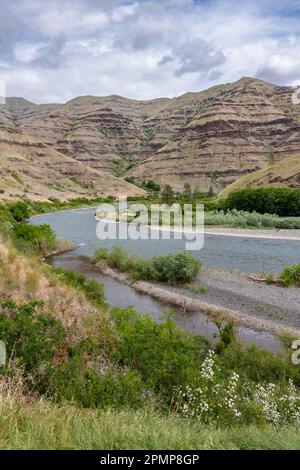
<point x="208" y="138"/>
<point x="29" y="167"/>
<point x="285" y="173"/>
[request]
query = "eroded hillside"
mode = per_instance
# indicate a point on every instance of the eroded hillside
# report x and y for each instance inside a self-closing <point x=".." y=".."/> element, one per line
<point x="210" y="138"/>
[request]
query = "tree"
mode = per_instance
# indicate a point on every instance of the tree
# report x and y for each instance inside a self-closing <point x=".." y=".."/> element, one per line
<point x="19" y="211"/>
<point x="168" y="195"/>
<point x="211" y="192"/>
<point x="187" y="191"/>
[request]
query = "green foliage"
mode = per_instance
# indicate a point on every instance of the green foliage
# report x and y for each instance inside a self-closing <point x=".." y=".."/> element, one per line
<point x="179" y="268"/>
<point x="93" y="291"/>
<point x="37" y="238"/>
<point x="150" y="186"/>
<point x="168" y="195"/>
<point x="235" y="218"/>
<point x="30" y="335"/>
<point x="281" y="201"/>
<point x="19" y="211"/>
<point x="215" y="397"/>
<point x="187" y="191"/>
<point x="38" y="425"/>
<point x="39" y="207"/>
<point x="257" y="365"/>
<point x="150" y="134"/>
<point x="227" y="336"/>
<point x="75" y="381"/>
<point x="162" y="353"/>
<point x="291" y="275"/>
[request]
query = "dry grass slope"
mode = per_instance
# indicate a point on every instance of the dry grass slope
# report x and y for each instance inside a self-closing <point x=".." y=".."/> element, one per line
<point x="283" y="174"/>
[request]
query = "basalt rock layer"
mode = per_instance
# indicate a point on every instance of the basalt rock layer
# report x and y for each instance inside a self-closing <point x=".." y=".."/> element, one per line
<point x="209" y="139"/>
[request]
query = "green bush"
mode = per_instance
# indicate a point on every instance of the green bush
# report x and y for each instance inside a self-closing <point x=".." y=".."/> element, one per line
<point x="213" y="397"/>
<point x="179" y="268"/>
<point x="281" y="201"/>
<point x="19" y="211"/>
<point x="291" y="275"/>
<point x="38" y="238"/>
<point x="164" y="354"/>
<point x="75" y="381"/>
<point x="257" y="365"/>
<point x="30" y="335"/>
<point x="93" y="291"/>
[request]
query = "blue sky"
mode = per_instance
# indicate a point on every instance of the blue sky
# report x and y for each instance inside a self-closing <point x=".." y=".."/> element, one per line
<point x="54" y="50"/>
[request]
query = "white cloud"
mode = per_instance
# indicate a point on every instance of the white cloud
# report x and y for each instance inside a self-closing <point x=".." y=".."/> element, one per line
<point x="72" y="21"/>
<point x="59" y="49"/>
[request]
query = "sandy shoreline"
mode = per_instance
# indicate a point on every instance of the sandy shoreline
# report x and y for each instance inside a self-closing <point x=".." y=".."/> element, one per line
<point x="274" y="234"/>
<point x="282" y="234"/>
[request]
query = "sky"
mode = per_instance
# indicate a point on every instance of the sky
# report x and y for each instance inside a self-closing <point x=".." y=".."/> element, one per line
<point x="55" y="50"/>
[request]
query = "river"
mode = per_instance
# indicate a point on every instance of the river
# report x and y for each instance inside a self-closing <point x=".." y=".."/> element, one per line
<point x="229" y="253"/>
<point x="224" y="252"/>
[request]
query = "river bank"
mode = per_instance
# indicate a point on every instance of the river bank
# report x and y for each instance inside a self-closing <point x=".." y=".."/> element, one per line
<point x="270" y="318"/>
<point x="273" y="234"/>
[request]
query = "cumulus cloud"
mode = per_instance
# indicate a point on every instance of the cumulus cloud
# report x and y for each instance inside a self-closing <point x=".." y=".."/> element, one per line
<point x="55" y="50"/>
<point x="282" y="68"/>
<point x="194" y="55"/>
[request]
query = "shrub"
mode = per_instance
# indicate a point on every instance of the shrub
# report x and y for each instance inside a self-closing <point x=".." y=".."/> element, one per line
<point x="291" y="275"/>
<point x="74" y="380"/>
<point x="30" y="335"/>
<point x="177" y="268"/>
<point x="256" y="365"/>
<point x="93" y="291"/>
<point x="180" y="268"/>
<point x="19" y="211"/>
<point x="168" y="195"/>
<point x="214" y="397"/>
<point x="162" y="353"/>
<point x="281" y="201"/>
<point x="244" y="219"/>
<point x="37" y="238"/>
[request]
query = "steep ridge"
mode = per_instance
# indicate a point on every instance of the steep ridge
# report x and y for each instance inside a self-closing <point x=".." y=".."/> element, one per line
<point x="30" y="168"/>
<point x="236" y="129"/>
<point x="210" y="138"/>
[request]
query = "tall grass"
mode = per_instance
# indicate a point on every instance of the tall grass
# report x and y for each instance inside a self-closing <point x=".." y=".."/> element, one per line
<point x="40" y="425"/>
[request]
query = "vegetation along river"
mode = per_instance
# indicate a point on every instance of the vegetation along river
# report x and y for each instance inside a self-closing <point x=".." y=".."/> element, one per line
<point x="223" y="252"/>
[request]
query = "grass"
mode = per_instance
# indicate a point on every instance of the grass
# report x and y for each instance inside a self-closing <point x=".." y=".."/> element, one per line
<point x="196" y="288"/>
<point x="291" y="275"/>
<point x="41" y="426"/>
<point x="284" y="170"/>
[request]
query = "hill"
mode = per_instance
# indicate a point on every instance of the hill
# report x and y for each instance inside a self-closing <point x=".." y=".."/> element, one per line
<point x="208" y="138"/>
<point x="283" y="174"/>
<point x="30" y="168"/>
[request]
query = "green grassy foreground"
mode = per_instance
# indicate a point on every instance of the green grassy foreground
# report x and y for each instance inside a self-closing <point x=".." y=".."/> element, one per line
<point x="81" y="375"/>
<point x="43" y="426"/>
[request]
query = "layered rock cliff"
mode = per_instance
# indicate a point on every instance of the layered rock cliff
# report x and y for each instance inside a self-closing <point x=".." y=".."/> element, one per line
<point x="210" y="138"/>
